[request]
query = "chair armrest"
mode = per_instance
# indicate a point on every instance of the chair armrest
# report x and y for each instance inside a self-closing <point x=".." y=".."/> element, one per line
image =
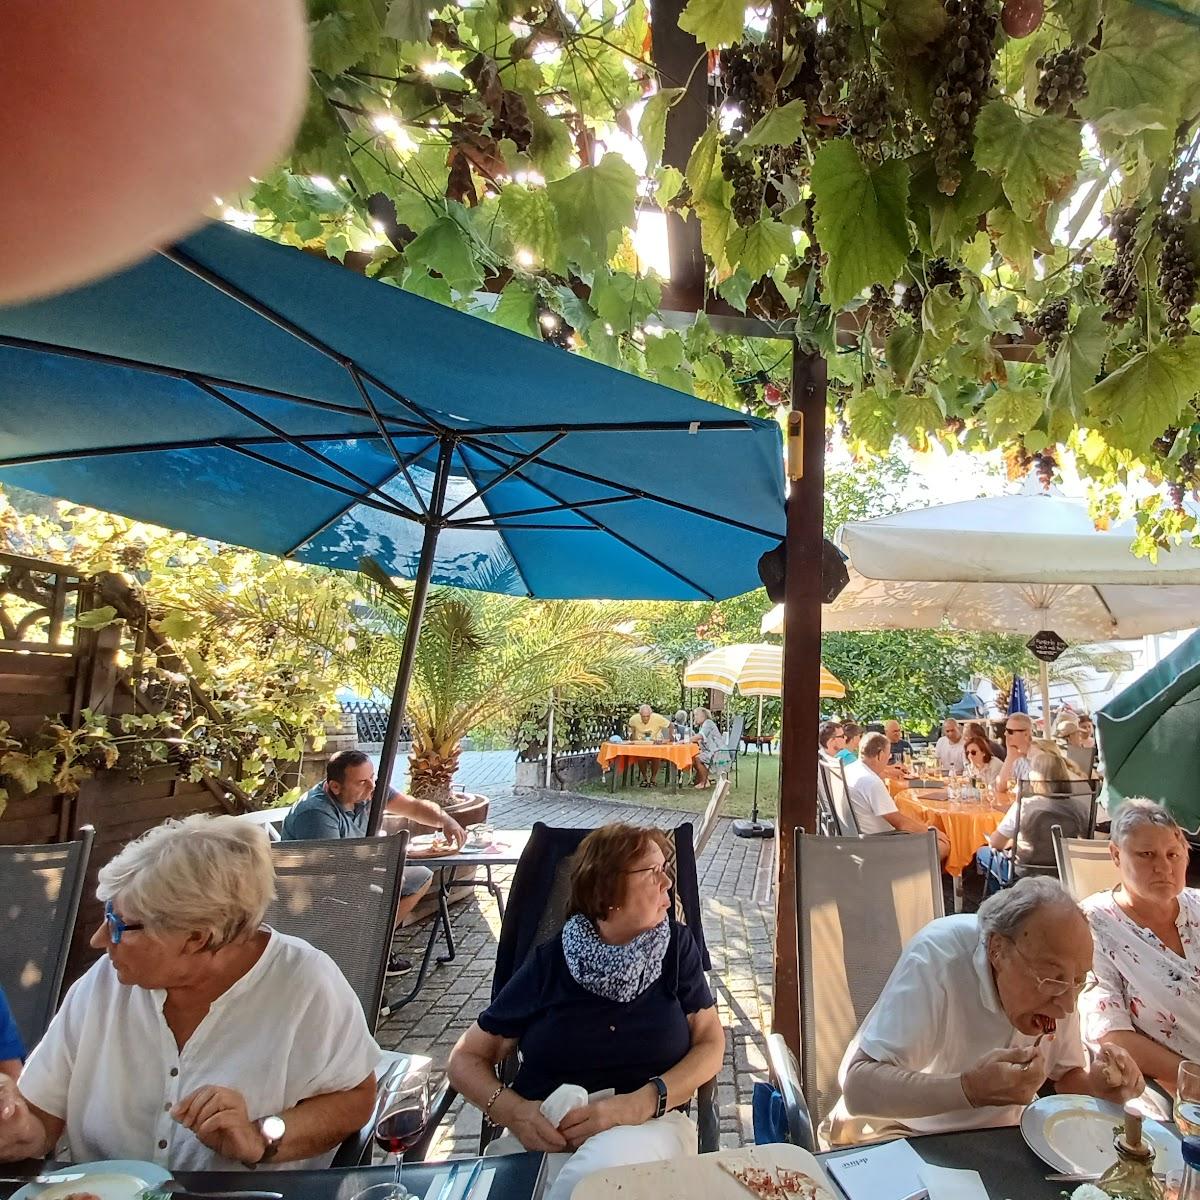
<point x="708" y="1124"/>
<point x="785" y="1074"/>
<point x="439" y="1106"/>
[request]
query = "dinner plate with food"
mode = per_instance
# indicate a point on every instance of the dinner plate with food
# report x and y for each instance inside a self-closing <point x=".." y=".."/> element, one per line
<point x="113" y="1179"/>
<point x="1074" y="1134"/>
<point x="430" y="845"/>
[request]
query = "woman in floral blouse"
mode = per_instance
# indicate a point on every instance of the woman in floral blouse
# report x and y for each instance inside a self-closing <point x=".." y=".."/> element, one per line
<point x="1144" y="992"/>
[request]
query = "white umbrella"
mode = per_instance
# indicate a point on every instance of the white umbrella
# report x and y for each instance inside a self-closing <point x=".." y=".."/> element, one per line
<point x="1010" y="564"/>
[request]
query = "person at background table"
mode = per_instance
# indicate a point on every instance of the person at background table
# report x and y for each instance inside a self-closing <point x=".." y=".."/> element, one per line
<point x="949" y="748"/>
<point x="648" y="726"/>
<point x="340" y="807"/>
<point x="852" y="732"/>
<point x="977" y="729"/>
<point x="1087" y="727"/>
<point x="711" y="742"/>
<point x="619" y="1000"/>
<point x="12" y="1048"/>
<point x="898" y="744"/>
<point x="976" y="1016"/>
<point x="831" y="737"/>
<point x="1067" y="732"/>
<point x="1144" y="991"/>
<point x="197" y="1023"/>
<point x="982" y="765"/>
<point x="1018" y="739"/>
<point x="681" y="727"/>
<point x="874" y="809"/>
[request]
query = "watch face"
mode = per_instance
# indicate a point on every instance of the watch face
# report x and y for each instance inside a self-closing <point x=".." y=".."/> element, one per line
<point x="273" y="1128"/>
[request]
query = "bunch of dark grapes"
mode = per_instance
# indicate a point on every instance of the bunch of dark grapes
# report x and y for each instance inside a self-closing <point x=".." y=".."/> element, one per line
<point x="911" y="301"/>
<point x="938" y="271"/>
<point x="1062" y="81"/>
<point x="554" y="329"/>
<point x="748" y="79"/>
<point x="1050" y="323"/>
<point x="1017" y="460"/>
<point x="1119" y="285"/>
<point x="833" y="61"/>
<point x="868" y="111"/>
<point x="747" y="191"/>
<point x="1176" y="491"/>
<point x="962" y="80"/>
<point x="133" y="556"/>
<point x="881" y="311"/>
<point x="1176" y="267"/>
<point x="1164" y="444"/>
<point x="797" y="32"/>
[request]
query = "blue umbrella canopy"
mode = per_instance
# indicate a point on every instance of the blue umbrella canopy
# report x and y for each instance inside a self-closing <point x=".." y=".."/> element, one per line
<point x="243" y="390"/>
<point x="1018" y="701"/>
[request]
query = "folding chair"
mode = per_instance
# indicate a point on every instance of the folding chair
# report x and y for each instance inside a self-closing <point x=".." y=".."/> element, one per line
<point x="859" y="900"/>
<point x="340" y="895"/>
<point x="40" y="890"/>
<point x="1084" y="864"/>
<point x="536" y="909"/>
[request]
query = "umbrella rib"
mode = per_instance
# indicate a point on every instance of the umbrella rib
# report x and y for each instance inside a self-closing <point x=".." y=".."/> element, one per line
<point x="134" y="364"/>
<point x="468" y="522"/>
<point x="387" y="437"/>
<point x="1104" y="603"/>
<point x="605" y="529"/>
<point x="506" y="474"/>
<point x="182" y="259"/>
<point x="466" y="466"/>
<point x="271" y="427"/>
<point x="693" y="426"/>
<point x="640" y="494"/>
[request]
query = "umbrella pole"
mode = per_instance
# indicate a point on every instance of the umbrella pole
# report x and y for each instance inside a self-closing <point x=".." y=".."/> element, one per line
<point x="412" y="633"/>
<point x="757" y="755"/>
<point x="1045" y="686"/>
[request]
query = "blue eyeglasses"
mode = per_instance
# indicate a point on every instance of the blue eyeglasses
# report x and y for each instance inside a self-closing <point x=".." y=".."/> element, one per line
<point x="116" y="926"/>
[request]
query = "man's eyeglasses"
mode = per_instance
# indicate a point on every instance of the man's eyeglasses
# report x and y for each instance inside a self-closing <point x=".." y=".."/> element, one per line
<point x="659" y="873"/>
<point x="1052" y="988"/>
<point x="116" y="926"/>
<point x="1009" y="732"/>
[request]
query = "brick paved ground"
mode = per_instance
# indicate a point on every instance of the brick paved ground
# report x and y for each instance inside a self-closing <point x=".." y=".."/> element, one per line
<point x="738" y="925"/>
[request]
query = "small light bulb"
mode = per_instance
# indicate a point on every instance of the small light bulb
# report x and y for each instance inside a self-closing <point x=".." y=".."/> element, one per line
<point x="548" y="321"/>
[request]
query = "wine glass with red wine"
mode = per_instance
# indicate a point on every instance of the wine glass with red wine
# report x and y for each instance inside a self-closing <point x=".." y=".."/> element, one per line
<point x="400" y="1126"/>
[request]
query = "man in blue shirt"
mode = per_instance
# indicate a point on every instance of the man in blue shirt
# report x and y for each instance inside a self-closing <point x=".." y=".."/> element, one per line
<point x="340" y="807"/>
<point x="12" y="1049"/>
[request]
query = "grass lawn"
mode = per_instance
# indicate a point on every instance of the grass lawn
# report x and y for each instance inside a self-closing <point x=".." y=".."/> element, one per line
<point x="737" y="803"/>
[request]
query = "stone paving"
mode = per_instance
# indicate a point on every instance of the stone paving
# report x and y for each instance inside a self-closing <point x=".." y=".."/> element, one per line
<point x="738" y="920"/>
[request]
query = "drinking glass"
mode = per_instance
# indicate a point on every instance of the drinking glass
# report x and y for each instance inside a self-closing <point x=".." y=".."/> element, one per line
<point x="1187" y="1099"/>
<point x="402" y="1121"/>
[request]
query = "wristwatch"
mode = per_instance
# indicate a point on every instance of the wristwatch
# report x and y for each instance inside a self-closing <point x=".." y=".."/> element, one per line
<point x="661" y="1107"/>
<point x="272" y="1129"/>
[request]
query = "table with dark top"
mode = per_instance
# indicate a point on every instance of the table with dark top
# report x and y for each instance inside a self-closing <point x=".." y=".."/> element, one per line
<point x="517" y="1177"/>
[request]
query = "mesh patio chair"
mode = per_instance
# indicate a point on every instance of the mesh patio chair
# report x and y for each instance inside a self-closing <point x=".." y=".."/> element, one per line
<point x="859" y="900"/>
<point x="40" y="890"/>
<point x="1084" y="864"/>
<point x="340" y="895"/>
<point x="727" y="756"/>
<point x="536" y="910"/>
<point x="827" y="822"/>
<point x="832" y="775"/>
<point x="1032" y="850"/>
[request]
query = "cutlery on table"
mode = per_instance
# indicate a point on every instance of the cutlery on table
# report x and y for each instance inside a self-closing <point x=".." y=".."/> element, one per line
<point x="472" y="1179"/>
<point x="58" y="1177"/>
<point x="172" y="1187"/>
<point x="1087" y="1177"/>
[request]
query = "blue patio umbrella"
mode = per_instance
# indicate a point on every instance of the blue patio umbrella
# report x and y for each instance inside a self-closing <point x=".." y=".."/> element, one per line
<point x="1018" y="701"/>
<point x="243" y="390"/>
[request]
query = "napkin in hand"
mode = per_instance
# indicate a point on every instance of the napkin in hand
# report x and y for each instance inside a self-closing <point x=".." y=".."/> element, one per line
<point x="560" y="1102"/>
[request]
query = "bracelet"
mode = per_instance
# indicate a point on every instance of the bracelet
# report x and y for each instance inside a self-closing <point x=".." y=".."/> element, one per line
<point x="487" y="1108"/>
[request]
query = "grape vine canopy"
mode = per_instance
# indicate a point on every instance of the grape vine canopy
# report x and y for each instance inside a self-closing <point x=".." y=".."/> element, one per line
<point x="914" y="187"/>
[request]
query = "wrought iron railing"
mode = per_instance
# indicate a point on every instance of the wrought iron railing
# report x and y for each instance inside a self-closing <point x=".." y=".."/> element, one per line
<point x="371" y="718"/>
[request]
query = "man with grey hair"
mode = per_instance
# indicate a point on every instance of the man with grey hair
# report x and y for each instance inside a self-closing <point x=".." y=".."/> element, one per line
<point x="977" y="1015"/>
<point x="1018" y="741"/>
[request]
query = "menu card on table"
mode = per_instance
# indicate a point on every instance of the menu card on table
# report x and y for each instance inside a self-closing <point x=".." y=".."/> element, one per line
<point x="895" y="1171"/>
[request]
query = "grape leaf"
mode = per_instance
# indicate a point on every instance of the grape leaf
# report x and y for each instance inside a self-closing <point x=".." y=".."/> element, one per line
<point x="780" y="127"/>
<point x="596" y="202"/>
<point x="1125" y="122"/>
<point x="652" y="127"/>
<point x="432" y="287"/>
<point x="758" y="247"/>
<point x="872" y="419"/>
<point x="1074" y="365"/>
<point x="670" y="180"/>
<point x="716" y="219"/>
<point x="517" y="310"/>
<point x="901" y="352"/>
<point x="337" y="41"/>
<point x="1082" y="18"/>
<point x="702" y="160"/>
<point x="532" y="224"/>
<point x="1154" y="389"/>
<point x="407" y="21"/>
<point x="664" y="353"/>
<point x="443" y="249"/>
<point x="1034" y="159"/>
<point x="98" y="618"/>
<point x="714" y="22"/>
<point x="1017" y="240"/>
<point x="551" y="147"/>
<point x="911" y="25"/>
<point x="622" y="300"/>
<point x="860" y="219"/>
<point x="736" y="288"/>
<point x="917" y="417"/>
<point x="1011" y="411"/>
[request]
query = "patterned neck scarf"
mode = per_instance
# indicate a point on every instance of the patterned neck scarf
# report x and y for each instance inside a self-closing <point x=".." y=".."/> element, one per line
<point x="618" y="973"/>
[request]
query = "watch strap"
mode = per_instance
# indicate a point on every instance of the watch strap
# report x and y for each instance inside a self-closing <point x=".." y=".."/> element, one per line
<point x="661" y="1107"/>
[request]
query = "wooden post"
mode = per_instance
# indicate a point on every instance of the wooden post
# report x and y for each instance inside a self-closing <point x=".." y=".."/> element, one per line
<point x="801" y="668"/>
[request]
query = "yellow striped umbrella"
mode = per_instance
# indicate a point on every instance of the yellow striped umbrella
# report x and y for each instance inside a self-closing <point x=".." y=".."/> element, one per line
<point x="754" y="669"/>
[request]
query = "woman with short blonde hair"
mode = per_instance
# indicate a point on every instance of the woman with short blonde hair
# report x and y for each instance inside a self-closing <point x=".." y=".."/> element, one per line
<point x="202" y="1039"/>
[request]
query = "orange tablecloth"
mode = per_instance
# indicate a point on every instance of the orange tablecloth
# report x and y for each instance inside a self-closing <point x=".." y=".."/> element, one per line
<point x="679" y="754"/>
<point x="966" y="825"/>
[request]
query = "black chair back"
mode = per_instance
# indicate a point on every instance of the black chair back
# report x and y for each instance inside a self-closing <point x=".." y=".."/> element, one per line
<point x="40" y="890"/>
<point x="340" y="895"/>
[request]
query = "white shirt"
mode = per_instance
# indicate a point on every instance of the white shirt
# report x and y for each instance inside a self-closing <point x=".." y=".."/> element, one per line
<point x="939" y="1014"/>
<point x="951" y="756"/>
<point x="289" y="1029"/>
<point x="1138" y="983"/>
<point x="869" y="798"/>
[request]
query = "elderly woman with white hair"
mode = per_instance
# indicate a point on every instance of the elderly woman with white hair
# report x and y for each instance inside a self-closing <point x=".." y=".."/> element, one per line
<point x="1144" y="991"/>
<point x="978" y="1014"/>
<point x="708" y="738"/>
<point x="202" y="1039"/>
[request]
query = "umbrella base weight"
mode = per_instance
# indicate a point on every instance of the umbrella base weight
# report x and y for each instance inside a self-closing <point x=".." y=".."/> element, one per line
<point x="753" y="829"/>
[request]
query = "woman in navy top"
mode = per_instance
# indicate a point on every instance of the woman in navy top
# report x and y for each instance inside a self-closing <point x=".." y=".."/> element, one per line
<point x="619" y="1001"/>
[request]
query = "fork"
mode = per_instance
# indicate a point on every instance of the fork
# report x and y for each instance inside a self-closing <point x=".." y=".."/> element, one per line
<point x="173" y="1187"/>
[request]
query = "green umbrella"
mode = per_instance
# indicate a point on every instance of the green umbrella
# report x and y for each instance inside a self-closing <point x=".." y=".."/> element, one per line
<point x="1150" y="735"/>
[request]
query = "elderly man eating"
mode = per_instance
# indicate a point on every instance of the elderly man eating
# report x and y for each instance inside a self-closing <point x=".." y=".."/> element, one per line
<point x="978" y="1014"/>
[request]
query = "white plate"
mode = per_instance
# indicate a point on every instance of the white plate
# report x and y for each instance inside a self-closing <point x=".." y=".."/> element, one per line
<point x="1075" y="1134"/>
<point x="113" y="1179"/>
